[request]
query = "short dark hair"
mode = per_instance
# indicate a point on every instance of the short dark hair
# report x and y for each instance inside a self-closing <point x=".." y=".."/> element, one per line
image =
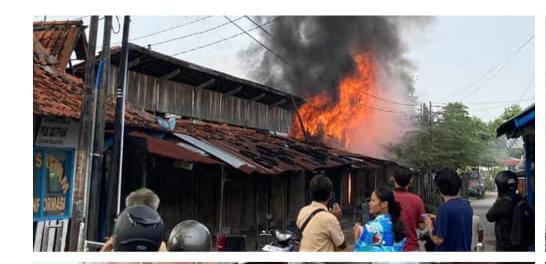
<point x="402" y="176"/>
<point x="448" y="182"/>
<point x="321" y="187"/>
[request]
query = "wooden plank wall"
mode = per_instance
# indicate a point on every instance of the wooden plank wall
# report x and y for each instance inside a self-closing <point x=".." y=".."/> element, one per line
<point x="152" y="94"/>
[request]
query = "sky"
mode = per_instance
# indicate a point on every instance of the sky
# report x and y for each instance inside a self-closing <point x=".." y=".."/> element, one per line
<point x="483" y="62"/>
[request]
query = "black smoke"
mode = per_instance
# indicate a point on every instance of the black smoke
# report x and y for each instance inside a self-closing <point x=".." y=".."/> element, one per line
<point x="318" y="50"/>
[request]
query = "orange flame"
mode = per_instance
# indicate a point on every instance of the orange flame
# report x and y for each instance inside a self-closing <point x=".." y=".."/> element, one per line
<point x="333" y="122"/>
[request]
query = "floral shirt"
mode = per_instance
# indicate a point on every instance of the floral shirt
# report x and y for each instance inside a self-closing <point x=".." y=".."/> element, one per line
<point x="378" y="235"/>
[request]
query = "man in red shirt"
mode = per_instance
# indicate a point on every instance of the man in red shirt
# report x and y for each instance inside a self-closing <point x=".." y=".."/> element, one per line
<point x="413" y="209"/>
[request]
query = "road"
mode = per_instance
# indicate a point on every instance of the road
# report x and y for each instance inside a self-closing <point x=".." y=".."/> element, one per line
<point x="480" y="208"/>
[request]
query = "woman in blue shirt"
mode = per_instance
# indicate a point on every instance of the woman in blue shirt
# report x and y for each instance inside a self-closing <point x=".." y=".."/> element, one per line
<point x="386" y="232"/>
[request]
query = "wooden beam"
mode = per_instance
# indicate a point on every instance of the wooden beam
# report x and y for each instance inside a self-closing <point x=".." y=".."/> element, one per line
<point x="133" y="63"/>
<point x="280" y="102"/>
<point x="205" y="84"/>
<point x="258" y="97"/>
<point x="170" y="75"/>
<point x="234" y="91"/>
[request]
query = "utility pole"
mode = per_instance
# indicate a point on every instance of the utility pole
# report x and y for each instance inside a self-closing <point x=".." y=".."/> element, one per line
<point x="430" y="112"/>
<point x="115" y="172"/>
<point x="85" y="145"/>
<point x="98" y="155"/>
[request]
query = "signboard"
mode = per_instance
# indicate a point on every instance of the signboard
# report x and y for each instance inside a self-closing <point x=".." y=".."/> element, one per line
<point x="53" y="183"/>
<point x="58" y="132"/>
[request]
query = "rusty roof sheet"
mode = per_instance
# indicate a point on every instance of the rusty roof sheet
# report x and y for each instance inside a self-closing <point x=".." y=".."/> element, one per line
<point x="60" y="38"/>
<point x="59" y="94"/>
<point x="269" y="154"/>
<point x="169" y="149"/>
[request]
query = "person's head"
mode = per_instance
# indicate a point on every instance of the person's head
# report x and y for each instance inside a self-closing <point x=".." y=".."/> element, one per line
<point x="189" y="235"/>
<point x="321" y="188"/>
<point x="448" y="182"/>
<point x="383" y="202"/>
<point x="507" y="182"/>
<point x="142" y="196"/>
<point x="402" y="177"/>
<point x="138" y="228"/>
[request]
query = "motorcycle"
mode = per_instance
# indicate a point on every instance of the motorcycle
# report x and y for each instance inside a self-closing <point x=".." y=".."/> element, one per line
<point x="284" y="242"/>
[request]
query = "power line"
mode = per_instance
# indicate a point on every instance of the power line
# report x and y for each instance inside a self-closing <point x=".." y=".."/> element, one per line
<point x="526" y="88"/>
<point x="492" y="72"/>
<point x="488" y="102"/>
<point x="291" y="65"/>
<point x="171" y="28"/>
<point x="193" y="34"/>
<point x="224" y="39"/>
<point x="261" y="44"/>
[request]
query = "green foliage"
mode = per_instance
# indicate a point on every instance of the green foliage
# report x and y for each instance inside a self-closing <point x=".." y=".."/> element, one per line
<point x="454" y="139"/>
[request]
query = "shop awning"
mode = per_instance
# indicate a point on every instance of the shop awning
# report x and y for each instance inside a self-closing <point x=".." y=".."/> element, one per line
<point x="169" y="149"/>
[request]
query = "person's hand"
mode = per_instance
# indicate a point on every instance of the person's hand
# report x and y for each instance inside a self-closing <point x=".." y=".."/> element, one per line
<point x="429" y="224"/>
<point x="357" y="230"/>
<point x="108" y="245"/>
<point x="336" y="211"/>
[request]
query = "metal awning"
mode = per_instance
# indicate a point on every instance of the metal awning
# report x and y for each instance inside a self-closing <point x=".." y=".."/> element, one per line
<point x="168" y="149"/>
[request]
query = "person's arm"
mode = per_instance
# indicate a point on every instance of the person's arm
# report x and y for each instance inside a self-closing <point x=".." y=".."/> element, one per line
<point x="500" y="208"/>
<point x="335" y="229"/>
<point x="480" y="232"/>
<point x="422" y="216"/>
<point x="108" y="245"/>
<point x="436" y="239"/>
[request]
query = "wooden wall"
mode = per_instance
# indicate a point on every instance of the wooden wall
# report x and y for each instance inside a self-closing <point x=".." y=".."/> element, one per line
<point x="152" y="94"/>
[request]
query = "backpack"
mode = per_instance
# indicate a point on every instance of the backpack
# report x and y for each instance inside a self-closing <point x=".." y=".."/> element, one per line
<point x="522" y="226"/>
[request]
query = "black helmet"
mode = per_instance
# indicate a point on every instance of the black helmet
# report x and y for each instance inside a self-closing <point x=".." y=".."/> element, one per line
<point x="138" y="228"/>
<point x="189" y="235"/>
<point x="506" y="181"/>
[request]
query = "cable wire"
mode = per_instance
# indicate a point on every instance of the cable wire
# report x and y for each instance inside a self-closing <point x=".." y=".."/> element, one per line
<point x="224" y="39"/>
<point x="492" y="72"/>
<point x="193" y="34"/>
<point x="171" y="28"/>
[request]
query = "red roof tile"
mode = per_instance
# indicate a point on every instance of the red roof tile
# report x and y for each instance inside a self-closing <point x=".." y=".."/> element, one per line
<point x="59" y="38"/>
<point x="59" y="94"/>
<point x="270" y="154"/>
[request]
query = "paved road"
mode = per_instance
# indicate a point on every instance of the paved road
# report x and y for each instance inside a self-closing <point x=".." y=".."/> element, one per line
<point x="480" y="208"/>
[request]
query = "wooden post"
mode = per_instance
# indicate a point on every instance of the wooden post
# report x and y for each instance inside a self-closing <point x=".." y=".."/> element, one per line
<point x="98" y="155"/>
<point x="85" y="142"/>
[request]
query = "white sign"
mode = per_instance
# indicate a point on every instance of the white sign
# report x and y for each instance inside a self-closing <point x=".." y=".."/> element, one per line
<point x="58" y="132"/>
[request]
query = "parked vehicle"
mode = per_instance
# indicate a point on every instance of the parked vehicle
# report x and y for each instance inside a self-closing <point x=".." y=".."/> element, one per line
<point x="476" y="185"/>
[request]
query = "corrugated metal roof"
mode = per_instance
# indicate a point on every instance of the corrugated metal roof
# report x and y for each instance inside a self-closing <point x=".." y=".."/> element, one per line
<point x="168" y="149"/>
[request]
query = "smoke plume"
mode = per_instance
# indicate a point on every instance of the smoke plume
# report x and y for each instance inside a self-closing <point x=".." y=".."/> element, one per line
<point x="319" y="51"/>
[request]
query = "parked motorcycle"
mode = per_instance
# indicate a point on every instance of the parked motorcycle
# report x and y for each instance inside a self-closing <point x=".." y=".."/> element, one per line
<point x="284" y="242"/>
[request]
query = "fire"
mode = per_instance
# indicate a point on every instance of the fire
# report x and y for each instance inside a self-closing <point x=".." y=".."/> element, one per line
<point x="335" y="122"/>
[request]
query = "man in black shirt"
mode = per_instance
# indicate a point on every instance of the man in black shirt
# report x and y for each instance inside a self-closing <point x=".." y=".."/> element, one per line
<point x="501" y="212"/>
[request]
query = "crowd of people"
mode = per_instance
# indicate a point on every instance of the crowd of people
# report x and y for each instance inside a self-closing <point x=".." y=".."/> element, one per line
<point x="397" y="220"/>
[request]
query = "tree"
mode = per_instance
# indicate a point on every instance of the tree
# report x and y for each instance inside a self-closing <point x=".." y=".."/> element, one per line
<point x="454" y="140"/>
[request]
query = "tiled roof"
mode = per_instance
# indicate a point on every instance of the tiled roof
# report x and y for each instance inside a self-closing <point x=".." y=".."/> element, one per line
<point x="59" y="38"/>
<point x="59" y="94"/>
<point x="269" y="154"/>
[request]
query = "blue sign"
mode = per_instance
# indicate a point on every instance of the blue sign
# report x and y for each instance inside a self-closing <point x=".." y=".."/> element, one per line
<point x="53" y="183"/>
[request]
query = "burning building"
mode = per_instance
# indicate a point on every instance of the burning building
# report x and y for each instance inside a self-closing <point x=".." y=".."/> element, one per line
<point x="226" y="160"/>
